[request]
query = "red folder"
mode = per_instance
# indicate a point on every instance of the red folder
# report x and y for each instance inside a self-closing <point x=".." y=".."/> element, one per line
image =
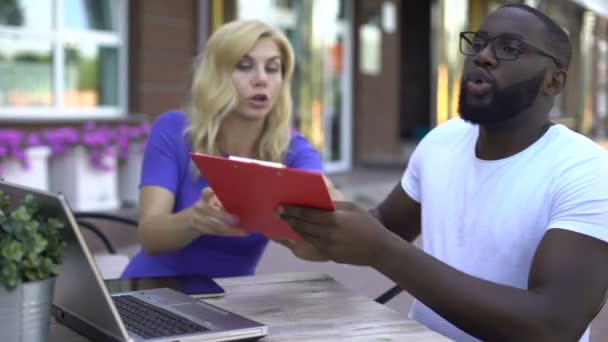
<point x="252" y="191"/>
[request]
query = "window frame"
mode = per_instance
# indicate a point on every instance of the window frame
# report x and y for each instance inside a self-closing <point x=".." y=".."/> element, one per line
<point x="58" y="36"/>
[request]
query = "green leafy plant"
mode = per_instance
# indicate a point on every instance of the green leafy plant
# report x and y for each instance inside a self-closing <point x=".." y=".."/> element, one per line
<point x="31" y="243"/>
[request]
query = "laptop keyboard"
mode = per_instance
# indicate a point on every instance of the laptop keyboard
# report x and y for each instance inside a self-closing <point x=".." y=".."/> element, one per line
<point x="148" y="321"/>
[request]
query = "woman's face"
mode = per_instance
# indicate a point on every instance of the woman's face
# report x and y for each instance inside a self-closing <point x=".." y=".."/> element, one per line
<point x="257" y="78"/>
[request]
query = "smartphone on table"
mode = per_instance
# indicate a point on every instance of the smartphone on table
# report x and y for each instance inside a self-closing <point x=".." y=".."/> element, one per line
<point x="194" y="285"/>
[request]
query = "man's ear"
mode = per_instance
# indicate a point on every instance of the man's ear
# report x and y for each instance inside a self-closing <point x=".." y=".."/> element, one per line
<point x="556" y="82"/>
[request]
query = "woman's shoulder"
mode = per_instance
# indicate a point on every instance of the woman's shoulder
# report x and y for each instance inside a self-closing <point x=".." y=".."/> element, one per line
<point x="302" y="154"/>
<point x="170" y="127"/>
<point x="298" y="141"/>
<point x="171" y="118"/>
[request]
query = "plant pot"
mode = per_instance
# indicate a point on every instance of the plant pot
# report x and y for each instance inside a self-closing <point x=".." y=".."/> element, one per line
<point x="25" y="311"/>
<point x="36" y="176"/>
<point x="86" y="188"/>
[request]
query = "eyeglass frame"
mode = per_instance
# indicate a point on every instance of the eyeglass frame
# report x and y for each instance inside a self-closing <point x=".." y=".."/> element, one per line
<point x="490" y="41"/>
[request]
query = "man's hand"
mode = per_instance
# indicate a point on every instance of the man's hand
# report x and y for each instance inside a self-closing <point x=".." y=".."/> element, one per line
<point x="347" y="235"/>
<point x="335" y="194"/>
<point x="302" y="249"/>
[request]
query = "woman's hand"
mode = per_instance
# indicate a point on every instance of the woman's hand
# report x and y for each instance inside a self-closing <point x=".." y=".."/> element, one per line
<point x="208" y="216"/>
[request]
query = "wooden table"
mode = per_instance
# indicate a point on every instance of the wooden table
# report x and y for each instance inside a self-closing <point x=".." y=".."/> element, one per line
<point x="305" y="307"/>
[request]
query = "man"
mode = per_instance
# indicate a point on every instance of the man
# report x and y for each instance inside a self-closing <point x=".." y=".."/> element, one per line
<point x="513" y="209"/>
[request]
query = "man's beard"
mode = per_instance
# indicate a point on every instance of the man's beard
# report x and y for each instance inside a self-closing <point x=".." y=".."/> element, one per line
<point x="506" y="103"/>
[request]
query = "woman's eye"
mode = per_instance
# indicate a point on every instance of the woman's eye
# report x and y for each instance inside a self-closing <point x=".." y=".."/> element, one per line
<point x="273" y="69"/>
<point x="244" y="66"/>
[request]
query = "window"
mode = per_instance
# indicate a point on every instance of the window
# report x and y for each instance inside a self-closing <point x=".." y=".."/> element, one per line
<point x="320" y="33"/>
<point x="62" y="59"/>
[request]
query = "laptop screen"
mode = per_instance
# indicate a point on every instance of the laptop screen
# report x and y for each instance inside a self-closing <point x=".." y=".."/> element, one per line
<point x="78" y="287"/>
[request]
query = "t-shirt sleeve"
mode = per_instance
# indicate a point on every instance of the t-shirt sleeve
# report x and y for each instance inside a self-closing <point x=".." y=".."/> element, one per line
<point x="160" y="161"/>
<point x="410" y="182"/>
<point x="580" y="200"/>
<point x="302" y="155"/>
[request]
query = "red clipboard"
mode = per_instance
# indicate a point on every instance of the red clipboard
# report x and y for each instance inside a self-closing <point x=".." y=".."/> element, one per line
<point x="252" y="191"/>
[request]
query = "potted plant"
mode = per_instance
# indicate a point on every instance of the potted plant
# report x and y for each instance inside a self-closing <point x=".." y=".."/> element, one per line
<point x="31" y="244"/>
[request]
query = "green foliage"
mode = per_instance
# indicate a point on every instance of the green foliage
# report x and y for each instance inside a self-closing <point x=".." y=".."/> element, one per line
<point x="31" y="243"/>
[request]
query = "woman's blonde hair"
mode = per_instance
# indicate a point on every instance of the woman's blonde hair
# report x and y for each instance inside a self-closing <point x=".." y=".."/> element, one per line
<point x="213" y="96"/>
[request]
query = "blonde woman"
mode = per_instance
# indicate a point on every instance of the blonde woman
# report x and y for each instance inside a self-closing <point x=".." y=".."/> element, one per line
<point x="241" y="106"/>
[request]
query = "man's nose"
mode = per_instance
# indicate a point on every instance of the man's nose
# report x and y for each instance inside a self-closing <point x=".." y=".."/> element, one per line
<point x="486" y="57"/>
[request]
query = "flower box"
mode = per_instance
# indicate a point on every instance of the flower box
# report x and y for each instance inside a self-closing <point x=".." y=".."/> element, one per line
<point x="129" y="170"/>
<point x="86" y="187"/>
<point x="35" y="174"/>
<point x="82" y="162"/>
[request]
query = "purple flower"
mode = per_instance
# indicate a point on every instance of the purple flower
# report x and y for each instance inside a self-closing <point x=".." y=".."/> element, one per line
<point x="11" y="146"/>
<point x="99" y="140"/>
<point x="127" y="134"/>
<point x="60" y="139"/>
<point x="33" y="139"/>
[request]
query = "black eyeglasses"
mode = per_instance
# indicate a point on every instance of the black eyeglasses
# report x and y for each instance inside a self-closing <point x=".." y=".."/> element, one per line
<point x="506" y="47"/>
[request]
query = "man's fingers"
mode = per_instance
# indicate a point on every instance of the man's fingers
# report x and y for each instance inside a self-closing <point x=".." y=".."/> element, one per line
<point x="308" y="251"/>
<point x="305" y="228"/>
<point x="319" y="243"/>
<point x="344" y="205"/>
<point x="312" y="215"/>
<point x="284" y="242"/>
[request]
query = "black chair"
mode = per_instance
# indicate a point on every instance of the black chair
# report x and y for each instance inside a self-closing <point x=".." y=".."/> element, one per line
<point x="389" y="294"/>
<point x="105" y="216"/>
<point x="83" y="218"/>
<point x="107" y="263"/>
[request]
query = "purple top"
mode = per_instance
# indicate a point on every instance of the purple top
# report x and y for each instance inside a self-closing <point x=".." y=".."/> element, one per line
<point x="167" y="164"/>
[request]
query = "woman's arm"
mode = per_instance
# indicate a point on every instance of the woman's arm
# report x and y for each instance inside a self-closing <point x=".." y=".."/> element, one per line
<point x="160" y="230"/>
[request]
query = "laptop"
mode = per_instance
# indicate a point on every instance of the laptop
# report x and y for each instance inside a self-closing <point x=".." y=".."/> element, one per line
<point x="83" y="302"/>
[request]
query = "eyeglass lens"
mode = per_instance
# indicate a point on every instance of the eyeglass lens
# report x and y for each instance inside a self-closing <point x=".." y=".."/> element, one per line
<point x="505" y="47"/>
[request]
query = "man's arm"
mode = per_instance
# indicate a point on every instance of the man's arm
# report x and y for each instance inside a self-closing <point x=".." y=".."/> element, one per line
<point x="399" y="213"/>
<point x="567" y="283"/>
<point x="567" y="278"/>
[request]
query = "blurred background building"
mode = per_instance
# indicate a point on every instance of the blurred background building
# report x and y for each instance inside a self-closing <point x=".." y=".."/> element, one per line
<point x="372" y="76"/>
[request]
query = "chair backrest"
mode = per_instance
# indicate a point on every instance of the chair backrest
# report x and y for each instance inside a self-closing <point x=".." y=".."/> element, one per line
<point x="106" y="216"/>
<point x="111" y="263"/>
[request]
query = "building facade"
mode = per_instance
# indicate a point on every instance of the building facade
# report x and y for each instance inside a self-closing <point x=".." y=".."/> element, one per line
<point x="372" y="76"/>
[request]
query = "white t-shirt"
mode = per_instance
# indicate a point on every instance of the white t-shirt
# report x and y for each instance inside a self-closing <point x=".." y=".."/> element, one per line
<point x="486" y="218"/>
